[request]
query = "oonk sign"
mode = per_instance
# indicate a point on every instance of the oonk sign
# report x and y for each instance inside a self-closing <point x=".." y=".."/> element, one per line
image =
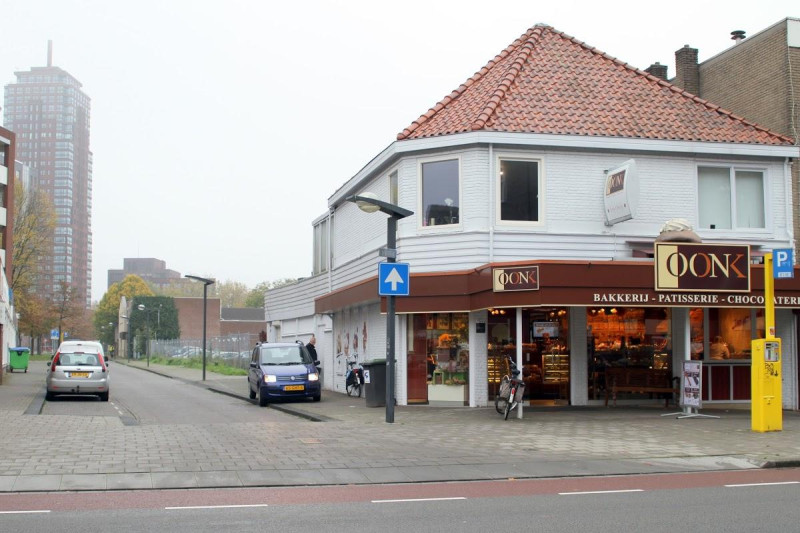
<point x="702" y="267"/>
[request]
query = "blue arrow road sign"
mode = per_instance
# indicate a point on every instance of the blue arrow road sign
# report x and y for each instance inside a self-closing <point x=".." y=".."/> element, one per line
<point x="393" y="279"/>
<point x="782" y="263"/>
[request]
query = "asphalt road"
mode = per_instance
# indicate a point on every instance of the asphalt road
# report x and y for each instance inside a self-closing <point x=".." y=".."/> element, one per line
<point x="145" y="398"/>
<point x="701" y="502"/>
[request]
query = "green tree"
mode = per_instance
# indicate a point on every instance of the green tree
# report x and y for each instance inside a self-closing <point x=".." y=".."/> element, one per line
<point x="159" y="318"/>
<point x="108" y="309"/>
<point x="255" y="298"/>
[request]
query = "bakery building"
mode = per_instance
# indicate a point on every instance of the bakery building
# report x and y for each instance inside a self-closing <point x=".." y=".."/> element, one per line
<point x="544" y="190"/>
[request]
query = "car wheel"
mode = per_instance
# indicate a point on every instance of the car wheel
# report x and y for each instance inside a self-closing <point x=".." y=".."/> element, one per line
<point x="49" y="396"/>
<point x="104" y="396"/>
<point x="262" y="398"/>
<point x="317" y="398"/>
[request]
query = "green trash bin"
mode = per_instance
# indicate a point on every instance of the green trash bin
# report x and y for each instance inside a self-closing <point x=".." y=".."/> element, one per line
<point x="375" y="387"/>
<point x="19" y="358"/>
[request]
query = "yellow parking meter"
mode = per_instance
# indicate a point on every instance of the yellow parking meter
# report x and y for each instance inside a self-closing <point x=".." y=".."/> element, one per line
<point x="766" y="385"/>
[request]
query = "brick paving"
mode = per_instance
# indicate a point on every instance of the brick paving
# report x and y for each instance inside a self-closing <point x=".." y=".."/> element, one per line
<point x="341" y="441"/>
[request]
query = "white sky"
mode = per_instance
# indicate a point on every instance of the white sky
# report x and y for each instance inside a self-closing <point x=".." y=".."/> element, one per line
<point x="219" y="129"/>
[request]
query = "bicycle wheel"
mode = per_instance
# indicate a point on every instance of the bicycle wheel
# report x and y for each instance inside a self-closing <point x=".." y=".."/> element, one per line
<point x="501" y="400"/>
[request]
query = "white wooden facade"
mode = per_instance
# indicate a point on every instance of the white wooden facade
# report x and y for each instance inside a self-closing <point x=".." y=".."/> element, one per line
<point x="573" y="228"/>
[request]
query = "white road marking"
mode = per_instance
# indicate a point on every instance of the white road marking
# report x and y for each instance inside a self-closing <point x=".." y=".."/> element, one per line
<point x="215" y="507"/>
<point x="763" y="484"/>
<point x="25" y="512"/>
<point x="419" y="500"/>
<point x="599" y="492"/>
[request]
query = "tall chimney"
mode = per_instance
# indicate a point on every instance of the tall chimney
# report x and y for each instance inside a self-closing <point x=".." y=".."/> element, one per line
<point x="658" y="70"/>
<point x="49" y="53"/>
<point x="687" y="71"/>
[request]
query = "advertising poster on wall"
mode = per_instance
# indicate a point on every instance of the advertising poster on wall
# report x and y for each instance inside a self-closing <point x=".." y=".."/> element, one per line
<point x="692" y="384"/>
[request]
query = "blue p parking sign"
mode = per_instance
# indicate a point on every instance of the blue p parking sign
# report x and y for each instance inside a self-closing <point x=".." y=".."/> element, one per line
<point x="783" y="263"/>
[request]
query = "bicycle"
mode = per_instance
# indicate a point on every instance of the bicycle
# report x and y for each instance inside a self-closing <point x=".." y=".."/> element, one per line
<point x="354" y="380"/>
<point x="511" y="392"/>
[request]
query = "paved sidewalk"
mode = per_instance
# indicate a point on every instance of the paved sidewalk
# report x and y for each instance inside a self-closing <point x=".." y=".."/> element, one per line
<point x="341" y="441"/>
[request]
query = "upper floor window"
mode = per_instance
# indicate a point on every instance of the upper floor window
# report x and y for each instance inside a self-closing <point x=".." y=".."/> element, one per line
<point x="730" y="198"/>
<point x="321" y="246"/>
<point x="519" y="194"/>
<point x="440" y="192"/>
<point x="393" y="192"/>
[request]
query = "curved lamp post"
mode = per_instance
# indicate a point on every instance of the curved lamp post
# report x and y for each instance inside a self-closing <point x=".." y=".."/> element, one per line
<point x="369" y="203"/>
<point x="206" y="282"/>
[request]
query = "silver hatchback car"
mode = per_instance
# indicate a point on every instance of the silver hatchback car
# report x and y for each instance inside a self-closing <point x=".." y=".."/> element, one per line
<point x="78" y="368"/>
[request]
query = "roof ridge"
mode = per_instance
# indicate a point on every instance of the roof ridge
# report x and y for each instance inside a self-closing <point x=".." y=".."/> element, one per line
<point x="513" y="71"/>
<point x="471" y="81"/>
<point x="686" y="94"/>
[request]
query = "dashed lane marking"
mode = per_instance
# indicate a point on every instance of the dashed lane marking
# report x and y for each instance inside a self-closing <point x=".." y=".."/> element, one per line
<point x="599" y="492"/>
<point x="762" y="484"/>
<point x="214" y="507"/>
<point x="419" y="500"/>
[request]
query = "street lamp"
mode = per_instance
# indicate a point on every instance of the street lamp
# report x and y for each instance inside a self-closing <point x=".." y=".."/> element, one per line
<point x="369" y="203"/>
<point x="206" y="282"/>
<point x="147" y="317"/>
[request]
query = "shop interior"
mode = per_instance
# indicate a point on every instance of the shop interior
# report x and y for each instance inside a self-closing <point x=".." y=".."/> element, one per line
<point x="545" y="352"/>
<point x="626" y="337"/>
<point x="438" y="358"/>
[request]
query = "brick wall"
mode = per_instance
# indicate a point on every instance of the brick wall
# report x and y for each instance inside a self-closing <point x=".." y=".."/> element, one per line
<point x="234" y="327"/>
<point x="751" y="79"/>
<point x="190" y="317"/>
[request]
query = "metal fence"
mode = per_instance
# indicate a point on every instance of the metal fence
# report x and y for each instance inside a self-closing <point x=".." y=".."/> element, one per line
<point x="232" y="350"/>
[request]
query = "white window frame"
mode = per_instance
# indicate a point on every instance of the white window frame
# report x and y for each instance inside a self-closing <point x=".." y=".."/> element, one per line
<point x="732" y="168"/>
<point x="421" y="207"/>
<point x="393" y="177"/>
<point x="510" y="156"/>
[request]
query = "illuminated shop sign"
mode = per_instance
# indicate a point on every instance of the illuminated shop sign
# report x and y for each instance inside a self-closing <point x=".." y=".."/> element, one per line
<point x="682" y="298"/>
<point x="702" y="267"/>
<point x="515" y="279"/>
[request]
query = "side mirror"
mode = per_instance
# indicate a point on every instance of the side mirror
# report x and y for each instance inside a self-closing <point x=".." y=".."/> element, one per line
<point x="253" y="365"/>
<point x="316" y="363"/>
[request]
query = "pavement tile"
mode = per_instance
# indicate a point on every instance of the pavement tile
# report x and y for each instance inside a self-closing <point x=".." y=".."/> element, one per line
<point x="303" y="477"/>
<point x="83" y="482"/>
<point x="7" y="483"/>
<point x="260" y="478"/>
<point x="174" y="480"/>
<point x="128" y="481"/>
<point x="343" y="476"/>
<point x="40" y="483"/>
<point x="218" y="479"/>
<point x="385" y="475"/>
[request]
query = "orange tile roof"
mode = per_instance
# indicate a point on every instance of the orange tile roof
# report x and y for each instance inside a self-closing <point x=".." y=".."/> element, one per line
<point x="550" y="83"/>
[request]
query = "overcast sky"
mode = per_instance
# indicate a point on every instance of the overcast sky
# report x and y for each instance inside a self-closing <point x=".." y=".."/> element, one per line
<point x="220" y="129"/>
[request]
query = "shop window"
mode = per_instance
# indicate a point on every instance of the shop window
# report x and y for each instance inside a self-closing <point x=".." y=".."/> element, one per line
<point x="730" y="198"/>
<point x="545" y="352"/>
<point x="438" y="359"/>
<point x="440" y="192"/>
<point x="626" y="337"/>
<point x="519" y="192"/>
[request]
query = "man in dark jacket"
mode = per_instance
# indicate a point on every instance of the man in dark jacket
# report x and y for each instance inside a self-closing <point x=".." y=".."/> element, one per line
<point x="311" y="348"/>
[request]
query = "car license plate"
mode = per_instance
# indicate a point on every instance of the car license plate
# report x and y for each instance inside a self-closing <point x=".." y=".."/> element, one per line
<point x="79" y="374"/>
<point x="294" y="387"/>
